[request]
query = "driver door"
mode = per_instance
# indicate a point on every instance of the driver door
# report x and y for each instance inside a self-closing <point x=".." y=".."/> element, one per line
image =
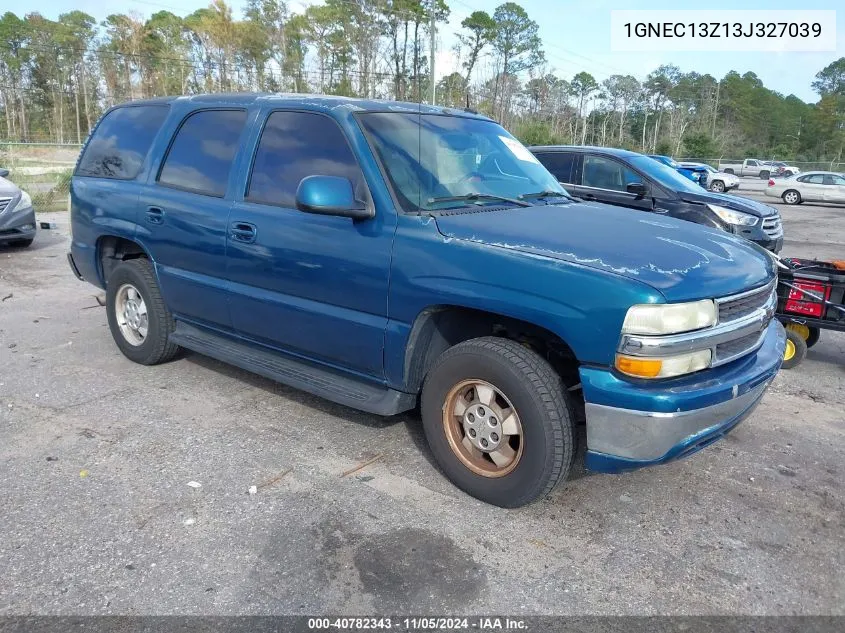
<point x="834" y="188"/>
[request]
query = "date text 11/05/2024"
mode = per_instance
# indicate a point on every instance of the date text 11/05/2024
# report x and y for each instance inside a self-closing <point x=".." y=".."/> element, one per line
<point x="431" y="623"/>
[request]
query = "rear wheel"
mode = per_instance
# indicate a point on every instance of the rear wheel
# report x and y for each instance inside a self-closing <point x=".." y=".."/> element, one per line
<point x="718" y="186"/>
<point x="810" y="334"/>
<point x="795" y="350"/>
<point x="498" y="421"/>
<point x="138" y="319"/>
<point x="764" y="175"/>
<point x="791" y="197"/>
<point x="729" y="171"/>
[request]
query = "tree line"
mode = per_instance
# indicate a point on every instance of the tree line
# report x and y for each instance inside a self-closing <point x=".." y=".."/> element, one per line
<point x="58" y="76"/>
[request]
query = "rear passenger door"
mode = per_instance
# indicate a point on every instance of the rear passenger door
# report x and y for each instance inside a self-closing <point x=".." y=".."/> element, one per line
<point x="184" y="213"/>
<point x="314" y="285"/>
<point x="813" y="188"/>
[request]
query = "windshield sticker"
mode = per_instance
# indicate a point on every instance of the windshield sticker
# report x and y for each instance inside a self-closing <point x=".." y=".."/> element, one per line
<point x="518" y="150"/>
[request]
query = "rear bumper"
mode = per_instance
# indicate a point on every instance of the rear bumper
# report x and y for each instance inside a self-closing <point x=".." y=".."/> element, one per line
<point x="630" y="425"/>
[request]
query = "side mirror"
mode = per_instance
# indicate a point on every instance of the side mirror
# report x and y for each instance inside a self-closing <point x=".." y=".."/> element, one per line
<point x="638" y="189"/>
<point x="3" y="172"/>
<point x="330" y="195"/>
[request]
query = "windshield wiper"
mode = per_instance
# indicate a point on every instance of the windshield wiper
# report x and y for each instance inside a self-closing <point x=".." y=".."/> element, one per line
<point x="548" y="193"/>
<point x="470" y="197"/>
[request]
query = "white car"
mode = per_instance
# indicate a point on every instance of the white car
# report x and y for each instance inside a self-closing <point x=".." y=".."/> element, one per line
<point x="813" y="186"/>
<point x="717" y="181"/>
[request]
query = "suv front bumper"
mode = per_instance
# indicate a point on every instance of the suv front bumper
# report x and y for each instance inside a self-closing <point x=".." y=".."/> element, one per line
<point x="635" y="424"/>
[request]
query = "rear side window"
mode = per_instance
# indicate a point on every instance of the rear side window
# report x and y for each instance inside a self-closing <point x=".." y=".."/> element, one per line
<point x="121" y="141"/>
<point x="561" y="165"/>
<point x="815" y="179"/>
<point x="202" y="152"/>
<point x="294" y="145"/>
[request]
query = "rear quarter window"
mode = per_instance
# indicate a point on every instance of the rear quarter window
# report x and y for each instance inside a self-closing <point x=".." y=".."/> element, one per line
<point x="121" y="142"/>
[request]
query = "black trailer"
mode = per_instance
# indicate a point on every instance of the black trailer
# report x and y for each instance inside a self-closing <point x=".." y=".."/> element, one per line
<point x="811" y="298"/>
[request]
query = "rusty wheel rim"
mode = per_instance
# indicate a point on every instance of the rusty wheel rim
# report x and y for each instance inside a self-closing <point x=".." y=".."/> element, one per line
<point x="483" y="428"/>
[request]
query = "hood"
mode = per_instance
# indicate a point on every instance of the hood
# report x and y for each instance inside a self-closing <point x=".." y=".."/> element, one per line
<point x="731" y="202"/>
<point x="682" y="260"/>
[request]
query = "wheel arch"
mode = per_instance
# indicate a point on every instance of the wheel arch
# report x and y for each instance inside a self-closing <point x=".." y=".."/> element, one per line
<point x="112" y="249"/>
<point x="439" y="327"/>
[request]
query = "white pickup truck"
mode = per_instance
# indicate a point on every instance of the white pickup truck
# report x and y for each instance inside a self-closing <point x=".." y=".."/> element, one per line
<point x="748" y="167"/>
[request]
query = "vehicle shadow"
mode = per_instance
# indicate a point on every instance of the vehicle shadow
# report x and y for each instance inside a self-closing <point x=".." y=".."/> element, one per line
<point x="410" y="419"/>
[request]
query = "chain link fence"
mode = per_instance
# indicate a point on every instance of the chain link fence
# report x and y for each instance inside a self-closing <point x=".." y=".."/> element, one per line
<point x="43" y="170"/>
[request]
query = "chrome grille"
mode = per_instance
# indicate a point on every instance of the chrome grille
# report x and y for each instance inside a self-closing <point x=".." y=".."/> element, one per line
<point x="738" y="306"/>
<point x="726" y="352"/>
<point x="772" y="227"/>
<point x="4" y="202"/>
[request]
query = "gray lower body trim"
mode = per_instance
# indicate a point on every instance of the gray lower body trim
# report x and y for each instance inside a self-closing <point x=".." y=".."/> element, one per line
<point x="646" y="435"/>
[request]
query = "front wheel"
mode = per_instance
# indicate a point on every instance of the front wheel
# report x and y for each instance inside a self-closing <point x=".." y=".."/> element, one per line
<point x="718" y="186"/>
<point x="498" y="421"/>
<point x="792" y="197"/>
<point x="139" y="321"/>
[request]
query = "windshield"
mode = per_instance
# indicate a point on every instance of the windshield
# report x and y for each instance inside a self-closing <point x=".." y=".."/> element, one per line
<point x="664" y="175"/>
<point x="430" y="159"/>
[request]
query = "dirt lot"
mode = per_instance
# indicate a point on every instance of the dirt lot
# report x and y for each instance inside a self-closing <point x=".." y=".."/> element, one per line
<point x="98" y="517"/>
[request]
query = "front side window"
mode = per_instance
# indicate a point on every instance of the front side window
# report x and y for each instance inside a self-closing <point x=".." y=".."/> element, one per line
<point x="831" y="179"/>
<point x="294" y="145"/>
<point x="121" y="142"/>
<point x="201" y="155"/>
<point x="606" y="173"/>
<point x="429" y="158"/>
<point x="753" y="163"/>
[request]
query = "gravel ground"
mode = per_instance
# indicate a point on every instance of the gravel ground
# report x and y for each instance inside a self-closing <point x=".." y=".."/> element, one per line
<point x="98" y="516"/>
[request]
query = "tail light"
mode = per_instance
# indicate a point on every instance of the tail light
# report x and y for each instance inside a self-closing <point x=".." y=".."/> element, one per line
<point x="799" y="303"/>
<point x="771" y="182"/>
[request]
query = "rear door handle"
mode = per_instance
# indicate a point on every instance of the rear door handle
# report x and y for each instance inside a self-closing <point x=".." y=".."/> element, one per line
<point x="243" y="232"/>
<point x="155" y="215"/>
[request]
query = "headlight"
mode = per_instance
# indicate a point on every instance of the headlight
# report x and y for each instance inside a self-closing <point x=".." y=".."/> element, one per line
<point x="665" y="366"/>
<point x="669" y="318"/>
<point x="733" y="217"/>
<point x="24" y="203"/>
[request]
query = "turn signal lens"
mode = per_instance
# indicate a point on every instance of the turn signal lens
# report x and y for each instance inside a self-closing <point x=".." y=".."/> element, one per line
<point x="641" y="367"/>
<point x="665" y="367"/>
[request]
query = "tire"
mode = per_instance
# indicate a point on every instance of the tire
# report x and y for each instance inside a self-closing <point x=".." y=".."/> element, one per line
<point x="23" y="243"/>
<point x="790" y="196"/>
<point x="764" y="175"/>
<point x="729" y="171"/>
<point x="153" y="347"/>
<point x="524" y="382"/>
<point x="815" y="333"/>
<point x="795" y="351"/>
<point x="718" y="186"/>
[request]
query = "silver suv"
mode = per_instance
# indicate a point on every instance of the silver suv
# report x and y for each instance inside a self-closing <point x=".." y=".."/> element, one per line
<point x="17" y="218"/>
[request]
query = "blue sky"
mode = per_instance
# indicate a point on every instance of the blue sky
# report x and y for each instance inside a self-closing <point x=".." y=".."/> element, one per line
<point x="575" y="36"/>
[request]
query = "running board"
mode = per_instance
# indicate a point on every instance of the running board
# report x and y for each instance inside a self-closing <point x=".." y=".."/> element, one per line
<point x="294" y="373"/>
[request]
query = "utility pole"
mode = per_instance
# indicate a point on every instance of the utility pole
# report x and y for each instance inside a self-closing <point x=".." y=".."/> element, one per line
<point x="432" y="28"/>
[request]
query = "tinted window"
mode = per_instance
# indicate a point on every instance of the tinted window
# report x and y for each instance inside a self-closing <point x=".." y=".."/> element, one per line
<point x="202" y="152"/>
<point x="121" y="141"/>
<point x="815" y="179"/>
<point x="294" y="145"/>
<point x="605" y="173"/>
<point x="560" y="164"/>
